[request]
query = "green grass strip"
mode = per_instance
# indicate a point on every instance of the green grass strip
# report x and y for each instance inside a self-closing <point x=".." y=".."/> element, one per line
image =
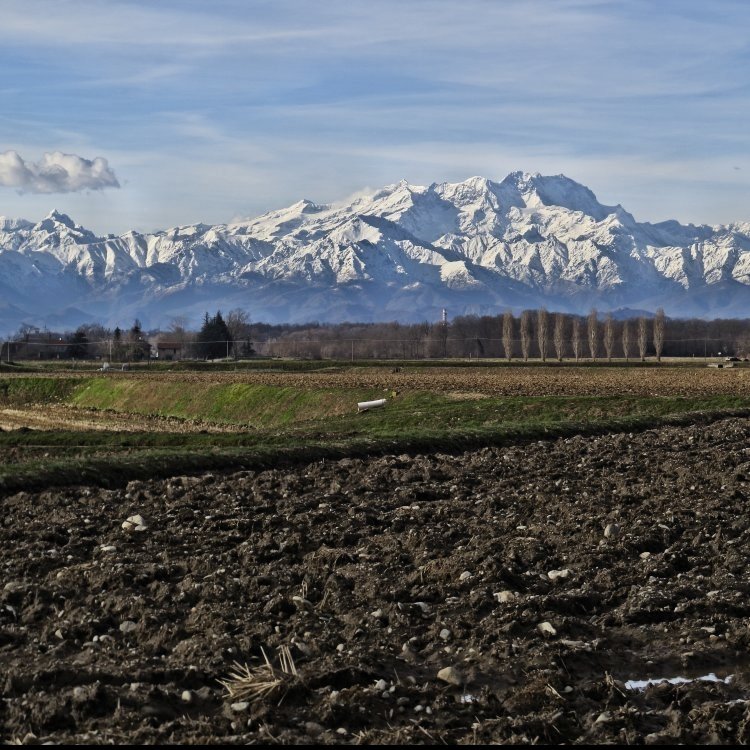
<point x="115" y="470"/>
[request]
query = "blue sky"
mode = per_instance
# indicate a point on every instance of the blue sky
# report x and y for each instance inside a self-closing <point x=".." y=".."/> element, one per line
<point x="209" y="111"/>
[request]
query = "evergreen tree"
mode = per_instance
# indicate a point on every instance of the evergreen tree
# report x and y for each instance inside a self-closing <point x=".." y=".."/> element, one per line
<point x="214" y="340"/>
<point x="78" y="345"/>
<point x="138" y="348"/>
<point x="117" y="348"/>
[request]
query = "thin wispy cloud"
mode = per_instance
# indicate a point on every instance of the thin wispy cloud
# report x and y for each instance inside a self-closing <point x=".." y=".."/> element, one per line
<point x="215" y="109"/>
<point x="55" y="172"/>
<point x="97" y="24"/>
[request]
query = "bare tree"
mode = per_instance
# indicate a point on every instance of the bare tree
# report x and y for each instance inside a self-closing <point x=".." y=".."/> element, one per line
<point x="626" y="339"/>
<point x="659" y="325"/>
<point x="592" y="330"/>
<point x="609" y="336"/>
<point x="525" y="334"/>
<point x="508" y="334"/>
<point x="238" y="324"/>
<point x="542" y="330"/>
<point x="558" y="336"/>
<point x="576" y="338"/>
<point x="642" y="338"/>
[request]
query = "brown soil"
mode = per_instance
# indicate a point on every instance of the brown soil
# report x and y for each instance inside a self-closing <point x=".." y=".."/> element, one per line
<point x="60" y="416"/>
<point x="500" y="381"/>
<point x="378" y="574"/>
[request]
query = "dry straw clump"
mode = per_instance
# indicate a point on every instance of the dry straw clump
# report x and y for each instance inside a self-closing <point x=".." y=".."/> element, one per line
<point x="255" y="683"/>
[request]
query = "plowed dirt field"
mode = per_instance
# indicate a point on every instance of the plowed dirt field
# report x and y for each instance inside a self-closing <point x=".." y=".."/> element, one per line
<point x="499" y="381"/>
<point x="505" y="595"/>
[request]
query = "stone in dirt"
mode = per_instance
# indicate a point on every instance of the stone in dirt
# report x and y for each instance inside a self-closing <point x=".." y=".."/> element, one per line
<point x="451" y="675"/>
<point x="546" y="629"/>
<point x="612" y="530"/>
<point x="134" y="523"/>
<point x="555" y="575"/>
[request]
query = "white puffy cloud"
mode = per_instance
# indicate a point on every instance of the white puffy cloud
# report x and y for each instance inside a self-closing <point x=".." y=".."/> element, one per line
<point x="55" y="172"/>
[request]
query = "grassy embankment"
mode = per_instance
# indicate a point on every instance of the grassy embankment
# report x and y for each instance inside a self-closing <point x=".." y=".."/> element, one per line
<point x="289" y="424"/>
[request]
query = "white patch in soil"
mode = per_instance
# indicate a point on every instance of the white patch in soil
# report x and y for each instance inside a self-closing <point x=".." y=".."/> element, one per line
<point x="643" y="684"/>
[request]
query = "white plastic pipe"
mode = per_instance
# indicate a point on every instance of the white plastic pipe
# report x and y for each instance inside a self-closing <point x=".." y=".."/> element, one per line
<point x="365" y="405"/>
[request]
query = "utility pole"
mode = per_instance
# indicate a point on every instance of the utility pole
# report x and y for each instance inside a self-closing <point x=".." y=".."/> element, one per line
<point x="444" y="332"/>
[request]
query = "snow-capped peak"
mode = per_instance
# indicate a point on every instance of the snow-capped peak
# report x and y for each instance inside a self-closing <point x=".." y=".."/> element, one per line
<point x="403" y="252"/>
<point x="8" y="224"/>
<point x="560" y="191"/>
<point x="57" y="217"/>
<point x="467" y="191"/>
<point x="307" y="206"/>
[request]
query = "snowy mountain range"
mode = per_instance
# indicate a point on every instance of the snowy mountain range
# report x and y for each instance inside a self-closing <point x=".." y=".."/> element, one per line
<point x="401" y="253"/>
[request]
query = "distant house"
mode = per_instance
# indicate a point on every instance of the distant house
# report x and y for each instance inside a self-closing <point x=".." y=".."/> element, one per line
<point x="169" y="350"/>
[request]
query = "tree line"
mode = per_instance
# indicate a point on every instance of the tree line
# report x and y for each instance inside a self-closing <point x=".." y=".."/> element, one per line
<point x="534" y="334"/>
<point x="218" y="337"/>
<point x="572" y="335"/>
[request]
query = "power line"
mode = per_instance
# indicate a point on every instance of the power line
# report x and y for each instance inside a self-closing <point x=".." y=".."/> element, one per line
<point x="66" y="343"/>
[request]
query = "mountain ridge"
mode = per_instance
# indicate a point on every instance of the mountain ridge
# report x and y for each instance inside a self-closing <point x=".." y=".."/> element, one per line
<point x="402" y="252"/>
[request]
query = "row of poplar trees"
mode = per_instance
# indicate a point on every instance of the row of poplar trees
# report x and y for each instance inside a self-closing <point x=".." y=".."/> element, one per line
<point x="583" y="338"/>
